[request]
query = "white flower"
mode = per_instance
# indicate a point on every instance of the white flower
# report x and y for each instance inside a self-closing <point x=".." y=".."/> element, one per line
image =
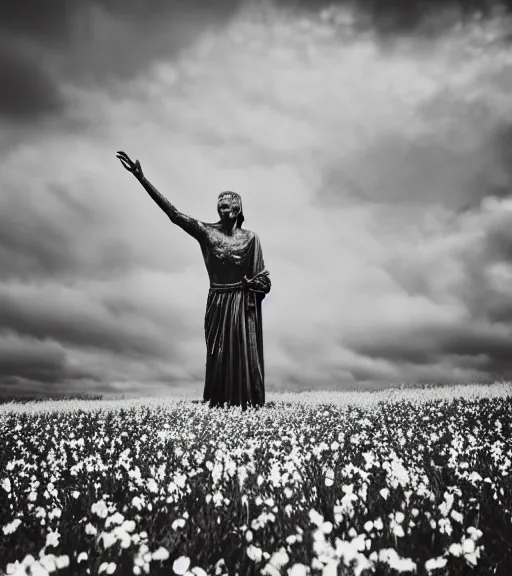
<point x="397" y="529"/>
<point x="12" y="526"/>
<point x="48" y="562"/>
<point x="445" y="526"/>
<point x="472" y="558"/>
<point x="198" y="571"/>
<point x="52" y="539"/>
<point x="55" y="513"/>
<point x="181" y="564"/>
<point x="384" y="493"/>
<point x="468" y="546"/>
<point x="254" y="553"/>
<point x="242" y="475"/>
<point x="180" y="480"/>
<point x="28" y="560"/>
<point x="298" y="570"/>
<point x="62" y="561"/>
<point x="36" y="569"/>
<point x="90" y="529"/>
<point x="109" y="539"/>
<point x="474" y="533"/>
<point x="100" y="509"/>
<point x="331" y="568"/>
<point x="326" y="527"/>
<point x="160" y="554"/>
<point x="457" y="516"/>
<point x="399" y="564"/>
<point x="316" y="518"/>
<point x="128" y="526"/>
<point x="279" y="558"/>
<point x="123" y="537"/>
<point x="12" y="568"/>
<point x="82" y="556"/>
<point x="269" y="570"/>
<point x="474" y="477"/>
<point x="435" y="563"/>
<point x="455" y="550"/>
<point x="152" y="486"/>
<point x="6" y="484"/>
<point x="116" y="518"/>
<point x="329" y="478"/>
<point x="368" y="526"/>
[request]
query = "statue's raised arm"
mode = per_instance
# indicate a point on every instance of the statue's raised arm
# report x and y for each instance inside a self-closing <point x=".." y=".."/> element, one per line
<point x="192" y="226"/>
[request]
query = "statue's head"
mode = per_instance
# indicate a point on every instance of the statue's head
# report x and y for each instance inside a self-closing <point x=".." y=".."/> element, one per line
<point x="229" y="207"/>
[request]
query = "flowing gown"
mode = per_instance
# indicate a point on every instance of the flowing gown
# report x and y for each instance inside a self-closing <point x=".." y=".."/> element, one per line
<point x="235" y="373"/>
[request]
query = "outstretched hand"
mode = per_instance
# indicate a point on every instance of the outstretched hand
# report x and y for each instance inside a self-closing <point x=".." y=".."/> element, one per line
<point x="133" y="167"/>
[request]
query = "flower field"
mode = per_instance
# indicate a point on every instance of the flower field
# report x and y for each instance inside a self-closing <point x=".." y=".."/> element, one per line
<point x="412" y="481"/>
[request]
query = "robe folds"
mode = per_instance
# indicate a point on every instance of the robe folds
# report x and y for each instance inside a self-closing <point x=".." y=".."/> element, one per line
<point x="235" y="373"/>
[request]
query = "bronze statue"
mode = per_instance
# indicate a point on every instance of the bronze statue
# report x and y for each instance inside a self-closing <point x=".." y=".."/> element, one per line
<point x="238" y="283"/>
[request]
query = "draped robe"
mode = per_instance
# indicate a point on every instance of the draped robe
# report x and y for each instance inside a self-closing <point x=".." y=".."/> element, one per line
<point x="235" y="373"/>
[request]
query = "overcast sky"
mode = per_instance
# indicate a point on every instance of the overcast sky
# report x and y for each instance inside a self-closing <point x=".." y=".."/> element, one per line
<point x="372" y="150"/>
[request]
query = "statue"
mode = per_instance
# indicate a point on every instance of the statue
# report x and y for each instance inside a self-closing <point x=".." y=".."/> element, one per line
<point x="233" y="257"/>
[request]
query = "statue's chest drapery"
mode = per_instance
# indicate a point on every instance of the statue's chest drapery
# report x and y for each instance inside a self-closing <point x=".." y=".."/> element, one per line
<point x="227" y="258"/>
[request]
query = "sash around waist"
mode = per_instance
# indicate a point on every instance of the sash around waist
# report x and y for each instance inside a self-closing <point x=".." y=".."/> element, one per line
<point x="214" y="287"/>
<point x="234" y="286"/>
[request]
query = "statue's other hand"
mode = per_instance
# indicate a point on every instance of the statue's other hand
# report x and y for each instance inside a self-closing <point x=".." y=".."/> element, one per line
<point x="252" y="284"/>
<point x="133" y="167"/>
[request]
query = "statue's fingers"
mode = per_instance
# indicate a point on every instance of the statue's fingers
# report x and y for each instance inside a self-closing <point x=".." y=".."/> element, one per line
<point x="125" y="157"/>
<point x="125" y="164"/>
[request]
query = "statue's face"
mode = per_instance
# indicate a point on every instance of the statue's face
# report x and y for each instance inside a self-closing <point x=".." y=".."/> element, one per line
<point x="228" y="207"/>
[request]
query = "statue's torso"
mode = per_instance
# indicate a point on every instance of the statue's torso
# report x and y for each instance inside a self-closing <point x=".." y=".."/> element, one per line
<point x="227" y="258"/>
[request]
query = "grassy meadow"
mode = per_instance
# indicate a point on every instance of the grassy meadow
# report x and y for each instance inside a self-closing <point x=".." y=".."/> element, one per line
<point x="413" y="481"/>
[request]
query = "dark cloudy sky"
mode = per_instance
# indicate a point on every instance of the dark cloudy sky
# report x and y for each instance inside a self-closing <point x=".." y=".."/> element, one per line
<point x="372" y="149"/>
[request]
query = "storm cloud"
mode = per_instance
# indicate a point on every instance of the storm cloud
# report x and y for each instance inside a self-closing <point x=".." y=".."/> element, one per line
<point x="371" y="146"/>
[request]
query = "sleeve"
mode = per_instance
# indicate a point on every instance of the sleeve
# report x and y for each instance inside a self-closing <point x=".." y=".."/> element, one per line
<point x="260" y="273"/>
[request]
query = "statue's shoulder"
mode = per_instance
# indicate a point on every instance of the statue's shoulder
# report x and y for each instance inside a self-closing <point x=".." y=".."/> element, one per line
<point x="211" y="225"/>
<point x="248" y="233"/>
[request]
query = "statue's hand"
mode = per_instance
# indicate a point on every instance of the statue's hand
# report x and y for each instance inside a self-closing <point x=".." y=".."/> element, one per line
<point x="254" y="284"/>
<point x="133" y="167"/>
